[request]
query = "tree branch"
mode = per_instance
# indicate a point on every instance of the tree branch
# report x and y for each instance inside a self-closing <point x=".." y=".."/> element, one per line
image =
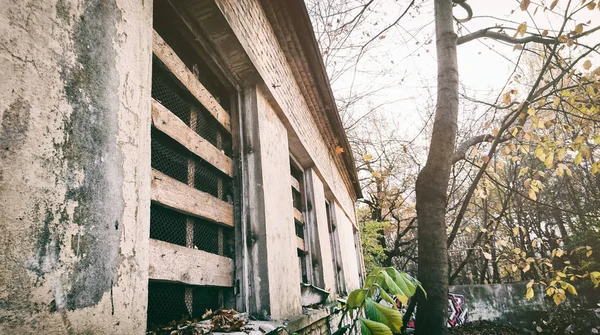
<point x="486" y="32"/>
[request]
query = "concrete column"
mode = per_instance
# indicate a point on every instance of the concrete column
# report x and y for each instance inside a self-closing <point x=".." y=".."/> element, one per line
<point x="74" y="166"/>
<point x="320" y="245"/>
<point x="272" y="284"/>
<point x="348" y="250"/>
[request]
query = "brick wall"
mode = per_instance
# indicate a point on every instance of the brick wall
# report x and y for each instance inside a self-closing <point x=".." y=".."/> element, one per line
<point x="249" y="22"/>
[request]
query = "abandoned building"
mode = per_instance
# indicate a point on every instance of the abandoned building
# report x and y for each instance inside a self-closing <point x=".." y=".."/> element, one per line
<point x="161" y="158"/>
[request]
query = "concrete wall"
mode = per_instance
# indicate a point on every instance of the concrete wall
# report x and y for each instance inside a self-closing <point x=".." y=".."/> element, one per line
<point x="282" y="257"/>
<point x="322" y="232"/>
<point x="506" y="303"/>
<point x="348" y="249"/>
<point x="74" y="165"/>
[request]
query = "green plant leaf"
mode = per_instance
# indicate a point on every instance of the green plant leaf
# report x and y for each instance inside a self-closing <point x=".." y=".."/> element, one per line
<point x="356" y="298"/>
<point x="368" y="327"/>
<point x="372" y="277"/>
<point x="383" y="314"/>
<point x="390" y="284"/>
<point x="385" y="296"/>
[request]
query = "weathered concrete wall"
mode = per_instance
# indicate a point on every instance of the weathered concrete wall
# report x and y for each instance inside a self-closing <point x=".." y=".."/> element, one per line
<point x="348" y="250"/>
<point x="74" y="165"/>
<point x="274" y="288"/>
<point x="506" y="303"/>
<point x="282" y="257"/>
<point x="249" y="22"/>
<point x="322" y="231"/>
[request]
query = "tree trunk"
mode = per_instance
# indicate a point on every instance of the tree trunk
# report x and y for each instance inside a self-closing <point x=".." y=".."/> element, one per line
<point x="432" y="182"/>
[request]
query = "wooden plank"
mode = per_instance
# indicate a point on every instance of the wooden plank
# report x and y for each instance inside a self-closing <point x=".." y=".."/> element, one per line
<point x="164" y="52"/>
<point x="167" y="122"/>
<point x="295" y="184"/>
<point x="300" y="243"/>
<point x="183" y="198"/>
<point x="175" y="263"/>
<point x="298" y="216"/>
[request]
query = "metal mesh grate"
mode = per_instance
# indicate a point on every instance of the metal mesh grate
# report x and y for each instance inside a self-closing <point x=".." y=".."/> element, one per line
<point x="302" y="262"/>
<point x="174" y="160"/>
<point x="167" y="225"/>
<point x="171" y="226"/>
<point x="169" y="92"/>
<point x="299" y="230"/>
<point x="168" y="302"/>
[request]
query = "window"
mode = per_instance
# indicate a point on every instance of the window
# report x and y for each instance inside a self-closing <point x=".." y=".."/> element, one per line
<point x="298" y="201"/>
<point x="191" y="215"/>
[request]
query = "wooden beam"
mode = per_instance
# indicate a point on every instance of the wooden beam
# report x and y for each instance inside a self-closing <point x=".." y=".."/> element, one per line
<point x="167" y="122"/>
<point x="188" y="200"/>
<point x="298" y="216"/>
<point x="295" y="184"/>
<point x="175" y="263"/>
<point x="300" y="243"/>
<point x="164" y="52"/>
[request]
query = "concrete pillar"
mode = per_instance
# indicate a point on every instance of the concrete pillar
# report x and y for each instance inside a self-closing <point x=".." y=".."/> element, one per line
<point x="320" y="245"/>
<point x="74" y="166"/>
<point x="273" y="288"/>
<point x="348" y="250"/>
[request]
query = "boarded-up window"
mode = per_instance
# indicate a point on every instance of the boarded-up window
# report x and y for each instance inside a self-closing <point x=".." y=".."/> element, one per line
<point x="192" y="189"/>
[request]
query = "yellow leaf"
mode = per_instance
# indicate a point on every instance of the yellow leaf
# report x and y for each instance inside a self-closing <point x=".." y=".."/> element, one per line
<point x="469" y="230"/>
<point x="523" y="171"/>
<point x="339" y="150"/>
<point x="487" y="255"/>
<point x="521" y="29"/>
<point x="539" y="153"/>
<point x="587" y="64"/>
<point x="557" y="299"/>
<point x="549" y="160"/>
<point x="561" y="153"/>
<point x="591" y="5"/>
<point x="367" y="157"/>
<point x="524" y="4"/>
<point x="579" y="28"/>
<point x="589" y="253"/>
<point x="514" y="268"/>
<point x="531" y="111"/>
<point x="530" y="284"/>
<point x="534" y="243"/>
<point x="595" y="168"/>
<point x="532" y="195"/>
<point x="550" y="291"/>
<point x="595" y="277"/>
<point x="553" y="4"/>
<point x="376" y="174"/>
<point x="517" y="251"/>
<point x="597" y="140"/>
<point x="556" y="101"/>
<point x="529" y="293"/>
<point x="571" y="289"/>
<point x="506" y="98"/>
<point x="578" y="158"/>
<point x="561" y="274"/>
<point x="526" y="268"/>
<point x="516" y="231"/>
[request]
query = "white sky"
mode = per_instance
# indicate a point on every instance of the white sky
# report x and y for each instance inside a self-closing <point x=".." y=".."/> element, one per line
<point x="401" y="68"/>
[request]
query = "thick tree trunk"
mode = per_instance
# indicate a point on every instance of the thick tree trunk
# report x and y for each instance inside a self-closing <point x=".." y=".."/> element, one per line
<point x="432" y="183"/>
